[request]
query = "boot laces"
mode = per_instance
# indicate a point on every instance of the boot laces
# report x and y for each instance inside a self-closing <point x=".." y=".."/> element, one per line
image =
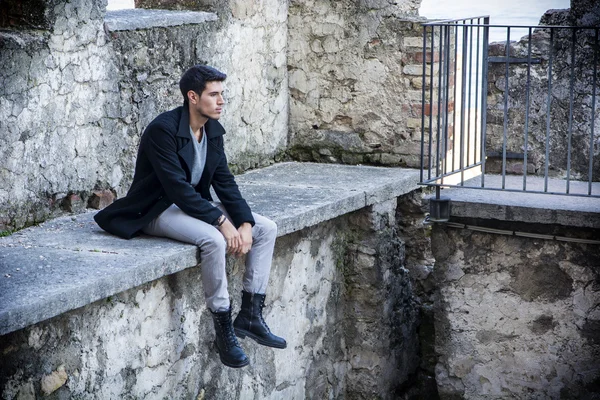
<point x="228" y="332"/>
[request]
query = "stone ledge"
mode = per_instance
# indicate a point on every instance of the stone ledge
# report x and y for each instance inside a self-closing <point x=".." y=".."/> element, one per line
<point x="535" y="208"/>
<point x="69" y="262"/>
<point x="139" y="18"/>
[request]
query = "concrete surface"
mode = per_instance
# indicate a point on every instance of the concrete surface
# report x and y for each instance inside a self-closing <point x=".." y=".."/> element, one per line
<point x="540" y="208"/>
<point x="126" y="20"/>
<point x="69" y="262"/>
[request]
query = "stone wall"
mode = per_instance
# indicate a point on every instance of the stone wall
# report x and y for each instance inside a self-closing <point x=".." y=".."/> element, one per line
<point x="516" y="317"/>
<point x="58" y="115"/>
<point x="560" y="100"/>
<point x="353" y="77"/>
<point x="75" y="98"/>
<point x="248" y="43"/>
<point x="339" y="293"/>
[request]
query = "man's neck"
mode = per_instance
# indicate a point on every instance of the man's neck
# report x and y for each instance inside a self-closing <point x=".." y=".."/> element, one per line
<point x="197" y="121"/>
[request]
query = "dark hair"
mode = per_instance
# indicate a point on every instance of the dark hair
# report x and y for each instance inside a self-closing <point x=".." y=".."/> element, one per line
<point x="196" y="77"/>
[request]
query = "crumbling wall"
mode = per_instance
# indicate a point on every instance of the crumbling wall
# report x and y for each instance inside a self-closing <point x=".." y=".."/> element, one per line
<point x="339" y="293"/>
<point x="582" y="146"/>
<point x="75" y="98"/>
<point x="354" y="76"/>
<point x="516" y="317"/>
<point x="58" y="113"/>
<point x="249" y="43"/>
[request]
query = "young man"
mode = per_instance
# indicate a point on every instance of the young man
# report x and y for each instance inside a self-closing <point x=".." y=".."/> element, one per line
<point x="180" y="157"/>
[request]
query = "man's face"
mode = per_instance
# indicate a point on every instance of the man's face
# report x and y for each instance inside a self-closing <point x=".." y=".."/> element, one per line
<point x="210" y="103"/>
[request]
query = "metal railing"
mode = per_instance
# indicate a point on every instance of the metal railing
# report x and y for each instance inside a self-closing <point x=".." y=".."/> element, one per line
<point x="512" y="116"/>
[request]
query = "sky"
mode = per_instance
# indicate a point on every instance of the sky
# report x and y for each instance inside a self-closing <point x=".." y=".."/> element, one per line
<point x="509" y="12"/>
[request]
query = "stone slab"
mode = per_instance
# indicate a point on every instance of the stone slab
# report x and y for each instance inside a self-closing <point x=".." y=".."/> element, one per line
<point x="139" y="18"/>
<point x="68" y="262"/>
<point x="536" y="208"/>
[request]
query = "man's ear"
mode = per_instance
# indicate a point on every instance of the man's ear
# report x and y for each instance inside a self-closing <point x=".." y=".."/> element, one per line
<point x="192" y="96"/>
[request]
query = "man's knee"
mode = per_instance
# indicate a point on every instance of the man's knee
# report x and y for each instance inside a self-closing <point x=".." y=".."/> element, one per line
<point x="269" y="227"/>
<point x="213" y="243"/>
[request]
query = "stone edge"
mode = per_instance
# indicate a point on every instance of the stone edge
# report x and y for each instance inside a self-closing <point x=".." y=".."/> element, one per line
<point x="11" y="321"/>
<point x="572" y="218"/>
<point x="138" y="18"/>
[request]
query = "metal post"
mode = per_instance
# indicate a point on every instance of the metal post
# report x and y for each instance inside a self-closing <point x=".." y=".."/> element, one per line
<point x="484" y="90"/>
<point x="590" y="172"/>
<point x="548" y="109"/>
<point x="505" y="130"/>
<point x="431" y="102"/>
<point x="463" y="93"/>
<point x="423" y="102"/>
<point x="527" y="106"/>
<point x="570" y="128"/>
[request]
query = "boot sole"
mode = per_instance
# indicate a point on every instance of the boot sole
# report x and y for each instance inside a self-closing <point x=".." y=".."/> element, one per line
<point x="228" y="364"/>
<point x="235" y="365"/>
<point x="243" y="333"/>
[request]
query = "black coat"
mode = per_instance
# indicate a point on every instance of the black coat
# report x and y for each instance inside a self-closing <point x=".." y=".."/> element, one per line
<point x="163" y="175"/>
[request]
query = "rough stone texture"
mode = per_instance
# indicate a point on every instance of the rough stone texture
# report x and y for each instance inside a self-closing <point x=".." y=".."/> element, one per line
<point x="58" y="113"/>
<point x="516" y="317"/>
<point x="249" y="44"/>
<point x="585" y="12"/>
<point x="339" y="293"/>
<point x="583" y="212"/>
<point x="419" y="262"/>
<point x="74" y="99"/>
<point x="132" y="19"/>
<point x="350" y="92"/>
<point x="23" y="15"/>
<point x="64" y="250"/>
<point x="560" y="99"/>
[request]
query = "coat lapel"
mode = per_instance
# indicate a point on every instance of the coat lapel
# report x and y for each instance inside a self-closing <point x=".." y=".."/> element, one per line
<point x="213" y="130"/>
<point x="186" y="151"/>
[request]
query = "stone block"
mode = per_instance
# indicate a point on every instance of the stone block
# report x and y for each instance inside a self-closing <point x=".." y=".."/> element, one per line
<point x="135" y="305"/>
<point x="54" y="381"/>
<point x="500" y="276"/>
<point x="413" y="42"/>
<point x="100" y="199"/>
<point x="73" y="203"/>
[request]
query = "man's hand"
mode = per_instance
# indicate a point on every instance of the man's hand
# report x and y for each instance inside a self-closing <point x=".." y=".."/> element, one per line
<point x="245" y="231"/>
<point x="232" y="237"/>
<point x="239" y="242"/>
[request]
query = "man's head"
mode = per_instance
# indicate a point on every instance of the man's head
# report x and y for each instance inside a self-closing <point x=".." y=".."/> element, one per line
<point x="195" y="79"/>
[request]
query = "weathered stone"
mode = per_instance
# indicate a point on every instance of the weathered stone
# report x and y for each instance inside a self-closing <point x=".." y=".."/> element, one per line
<point x="52" y="382"/>
<point x="347" y="77"/>
<point x="544" y="281"/>
<point x="508" y="325"/>
<point x="562" y="134"/>
<point x="348" y="309"/>
<point x="100" y="199"/>
<point x="73" y="203"/>
<point x="77" y="108"/>
<point x="26" y="392"/>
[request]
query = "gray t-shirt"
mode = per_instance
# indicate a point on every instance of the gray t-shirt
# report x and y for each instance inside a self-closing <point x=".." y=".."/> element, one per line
<point x="199" y="158"/>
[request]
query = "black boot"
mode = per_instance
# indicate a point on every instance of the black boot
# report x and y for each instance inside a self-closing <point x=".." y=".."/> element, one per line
<point x="250" y="322"/>
<point x="228" y="347"/>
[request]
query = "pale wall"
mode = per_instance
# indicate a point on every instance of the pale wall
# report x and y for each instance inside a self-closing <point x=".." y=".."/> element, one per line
<point x="339" y="294"/>
<point x="74" y="99"/>
<point x="516" y="317"/>
<point x="350" y="75"/>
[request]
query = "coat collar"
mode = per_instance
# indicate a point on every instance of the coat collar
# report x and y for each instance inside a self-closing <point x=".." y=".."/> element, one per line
<point x="212" y="127"/>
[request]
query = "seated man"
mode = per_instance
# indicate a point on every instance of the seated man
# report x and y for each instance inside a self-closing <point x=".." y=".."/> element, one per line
<point x="180" y="156"/>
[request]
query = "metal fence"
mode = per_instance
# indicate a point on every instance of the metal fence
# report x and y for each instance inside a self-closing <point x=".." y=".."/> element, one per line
<point x="519" y="114"/>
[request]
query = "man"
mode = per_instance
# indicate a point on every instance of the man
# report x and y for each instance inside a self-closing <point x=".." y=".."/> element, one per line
<point x="180" y="157"/>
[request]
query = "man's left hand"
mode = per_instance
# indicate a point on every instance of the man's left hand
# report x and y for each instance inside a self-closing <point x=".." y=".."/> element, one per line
<point x="245" y="231"/>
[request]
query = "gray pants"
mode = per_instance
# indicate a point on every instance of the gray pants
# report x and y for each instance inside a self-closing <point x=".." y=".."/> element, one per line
<point x="175" y="224"/>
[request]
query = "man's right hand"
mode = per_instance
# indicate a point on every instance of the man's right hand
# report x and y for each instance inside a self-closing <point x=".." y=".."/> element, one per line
<point x="232" y="237"/>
